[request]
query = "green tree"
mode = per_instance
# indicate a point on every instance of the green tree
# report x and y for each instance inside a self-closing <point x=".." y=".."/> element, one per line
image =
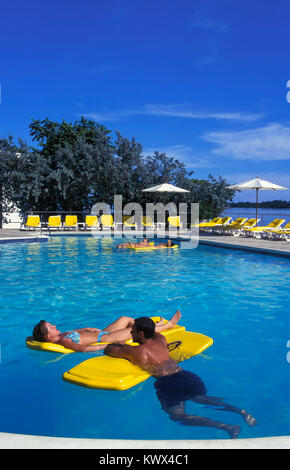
<point x="130" y="169"/>
<point x="76" y="165"/>
<point x="79" y="158"/>
<point x="23" y="173"/>
<point x="212" y="195"/>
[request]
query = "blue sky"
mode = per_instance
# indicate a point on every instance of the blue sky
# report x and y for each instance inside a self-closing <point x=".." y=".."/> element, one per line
<point x="203" y="80"/>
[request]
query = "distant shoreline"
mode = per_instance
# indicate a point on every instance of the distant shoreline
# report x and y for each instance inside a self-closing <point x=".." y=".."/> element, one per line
<point x="267" y="204"/>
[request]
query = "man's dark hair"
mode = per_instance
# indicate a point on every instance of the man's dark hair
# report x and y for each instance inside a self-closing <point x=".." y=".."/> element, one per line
<point x="146" y="325"/>
<point x="39" y="331"/>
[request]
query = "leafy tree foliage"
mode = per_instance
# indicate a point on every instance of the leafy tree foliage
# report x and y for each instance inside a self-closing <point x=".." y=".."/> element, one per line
<point x="212" y="195"/>
<point x="79" y="157"/>
<point x="78" y="164"/>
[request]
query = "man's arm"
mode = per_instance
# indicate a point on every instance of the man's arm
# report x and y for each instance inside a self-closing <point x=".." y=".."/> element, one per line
<point x="123" y="351"/>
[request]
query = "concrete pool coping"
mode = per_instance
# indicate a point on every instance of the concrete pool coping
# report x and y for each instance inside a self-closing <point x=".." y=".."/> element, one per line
<point x="21" y="441"/>
<point x="24" y="441"/>
<point x="263" y="246"/>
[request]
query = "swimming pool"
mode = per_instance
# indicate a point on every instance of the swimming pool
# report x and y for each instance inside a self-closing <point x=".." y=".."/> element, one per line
<point x="240" y="299"/>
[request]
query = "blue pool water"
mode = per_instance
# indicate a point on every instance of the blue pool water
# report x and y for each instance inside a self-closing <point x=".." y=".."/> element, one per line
<point x="240" y="299"/>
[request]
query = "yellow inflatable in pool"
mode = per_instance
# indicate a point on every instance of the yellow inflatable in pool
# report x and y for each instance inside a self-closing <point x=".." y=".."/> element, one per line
<point x="152" y="247"/>
<point x="111" y="373"/>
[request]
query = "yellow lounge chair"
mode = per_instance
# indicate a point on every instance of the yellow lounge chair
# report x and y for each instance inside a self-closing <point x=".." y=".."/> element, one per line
<point x="280" y="233"/>
<point x="32" y="222"/>
<point x="240" y="221"/>
<point x="258" y="231"/>
<point x="54" y="221"/>
<point x="174" y="221"/>
<point x="147" y="222"/>
<point x="107" y="222"/>
<point x="129" y="221"/>
<point x="92" y="222"/>
<point x="211" y="223"/>
<point x="71" y="222"/>
<point x="238" y="229"/>
<point x="221" y="223"/>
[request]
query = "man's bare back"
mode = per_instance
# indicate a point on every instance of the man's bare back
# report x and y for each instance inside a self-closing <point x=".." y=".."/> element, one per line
<point x="151" y="355"/>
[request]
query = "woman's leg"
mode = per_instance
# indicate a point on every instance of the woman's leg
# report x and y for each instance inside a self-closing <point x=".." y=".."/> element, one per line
<point x="120" y="330"/>
<point x="128" y="322"/>
<point x="120" y="324"/>
<point x="172" y="322"/>
<point x="117" y="336"/>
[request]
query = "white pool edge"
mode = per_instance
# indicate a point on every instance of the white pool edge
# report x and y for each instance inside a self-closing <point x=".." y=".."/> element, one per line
<point x="24" y="441"/>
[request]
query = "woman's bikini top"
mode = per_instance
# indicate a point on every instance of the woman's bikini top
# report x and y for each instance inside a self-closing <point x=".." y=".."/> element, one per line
<point x="74" y="336"/>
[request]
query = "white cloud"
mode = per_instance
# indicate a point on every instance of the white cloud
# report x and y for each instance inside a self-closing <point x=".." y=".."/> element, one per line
<point x="183" y="153"/>
<point x="268" y="143"/>
<point x="176" y="111"/>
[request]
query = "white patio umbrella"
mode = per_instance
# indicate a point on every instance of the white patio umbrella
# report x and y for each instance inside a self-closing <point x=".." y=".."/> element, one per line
<point x="257" y="184"/>
<point x="165" y="188"/>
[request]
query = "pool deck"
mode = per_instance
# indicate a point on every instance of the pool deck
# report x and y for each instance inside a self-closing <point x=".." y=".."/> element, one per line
<point x="21" y="441"/>
<point x="265" y="246"/>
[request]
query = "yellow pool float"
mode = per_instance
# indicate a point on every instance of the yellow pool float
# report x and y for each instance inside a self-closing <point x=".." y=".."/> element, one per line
<point x="152" y="247"/>
<point x="110" y="373"/>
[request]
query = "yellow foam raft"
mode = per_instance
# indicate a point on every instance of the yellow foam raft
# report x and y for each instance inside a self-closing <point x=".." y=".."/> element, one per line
<point x="152" y="247"/>
<point x="111" y="373"/>
<point x="46" y="346"/>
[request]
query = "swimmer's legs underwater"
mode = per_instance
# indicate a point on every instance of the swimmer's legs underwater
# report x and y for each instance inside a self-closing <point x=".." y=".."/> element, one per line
<point x="177" y="413"/>
<point x="217" y="401"/>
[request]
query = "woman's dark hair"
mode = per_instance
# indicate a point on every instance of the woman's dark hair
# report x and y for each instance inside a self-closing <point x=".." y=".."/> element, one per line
<point x="40" y="331"/>
<point x="146" y="325"/>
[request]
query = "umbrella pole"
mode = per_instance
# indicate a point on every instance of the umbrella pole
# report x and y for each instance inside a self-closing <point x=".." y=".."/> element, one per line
<point x="165" y="200"/>
<point x="257" y="206"/>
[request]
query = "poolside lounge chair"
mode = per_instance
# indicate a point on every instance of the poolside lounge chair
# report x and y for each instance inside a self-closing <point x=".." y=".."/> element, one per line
<point x="32" y="222"/>
<point x="240" y="221"/>
<point x="211" y="223"/>
<point x="147" y="223"/>
<point x="71" y="222"/>
<point x="129" y="222"/>
<point x="257" y="232"/>
<point x="174" y="221"/>
<point x="278" y="234"/>
<point x="107" y="222"/>
<point x="92" y="222"/>
<point x="238" y="229"/>
<point x="54" y="221"/>
<point x="221" y="223"/>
